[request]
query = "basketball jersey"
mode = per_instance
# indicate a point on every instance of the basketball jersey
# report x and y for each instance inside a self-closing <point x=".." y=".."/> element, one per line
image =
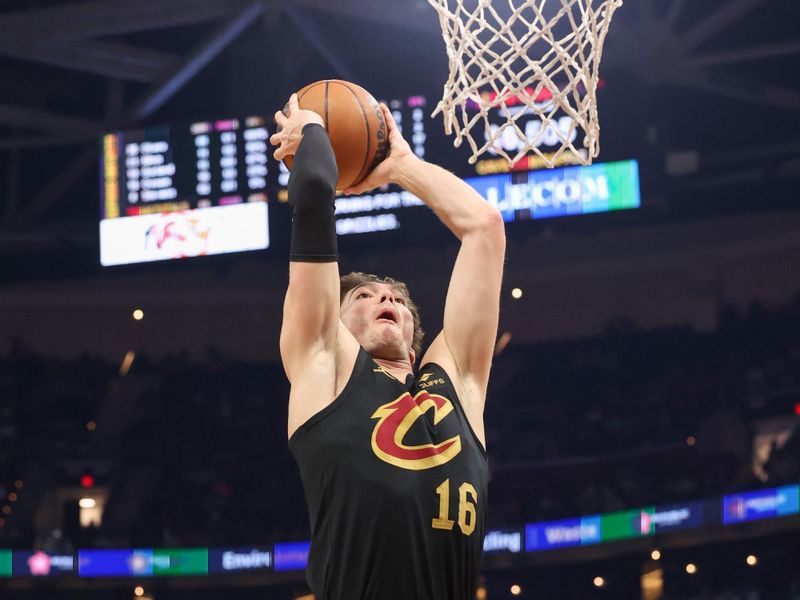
<point x="395" y="480"/>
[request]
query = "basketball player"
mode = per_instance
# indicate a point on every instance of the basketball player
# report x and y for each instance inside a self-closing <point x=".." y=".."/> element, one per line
<point x="392" y="460"/>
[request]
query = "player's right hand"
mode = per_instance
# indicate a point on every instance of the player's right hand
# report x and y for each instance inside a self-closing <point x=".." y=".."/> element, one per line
<point x="388" y="171"/>
<point x="291" y="121"/>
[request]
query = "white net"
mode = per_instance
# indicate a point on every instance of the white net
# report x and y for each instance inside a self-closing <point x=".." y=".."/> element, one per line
<point x="517" y="57"/>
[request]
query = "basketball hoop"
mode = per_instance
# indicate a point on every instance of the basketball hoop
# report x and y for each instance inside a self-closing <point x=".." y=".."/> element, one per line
<point x="529" y="57"/>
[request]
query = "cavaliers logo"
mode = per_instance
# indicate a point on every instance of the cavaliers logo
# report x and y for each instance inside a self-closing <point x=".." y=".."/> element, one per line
<point x="394" y="421"/>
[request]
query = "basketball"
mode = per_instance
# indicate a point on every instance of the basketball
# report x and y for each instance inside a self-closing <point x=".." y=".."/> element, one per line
<point x="355" y="125"/>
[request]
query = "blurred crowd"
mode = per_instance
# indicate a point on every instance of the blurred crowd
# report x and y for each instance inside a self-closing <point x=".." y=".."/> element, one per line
<point x="194" y="452"/>
<point x="632" y="418"/>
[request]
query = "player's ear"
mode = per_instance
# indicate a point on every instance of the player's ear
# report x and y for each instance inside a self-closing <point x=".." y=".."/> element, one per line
<point x="412" y="356"/>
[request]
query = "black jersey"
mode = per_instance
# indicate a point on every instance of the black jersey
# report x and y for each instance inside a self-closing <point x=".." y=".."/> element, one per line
<point x="395" y="480"/>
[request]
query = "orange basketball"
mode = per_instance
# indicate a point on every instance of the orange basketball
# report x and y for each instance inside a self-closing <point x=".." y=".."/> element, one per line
<point x="355" y="125"/>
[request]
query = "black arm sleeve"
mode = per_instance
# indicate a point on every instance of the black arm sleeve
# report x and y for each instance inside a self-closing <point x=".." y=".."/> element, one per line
<point x="312" y="189"/>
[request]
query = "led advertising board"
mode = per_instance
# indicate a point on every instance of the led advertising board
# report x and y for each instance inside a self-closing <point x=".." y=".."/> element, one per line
<point x="241" y="559"/>
<point x="291" y="556"/>
<point x="567" y="532"/>
<point x="761" y="504"/>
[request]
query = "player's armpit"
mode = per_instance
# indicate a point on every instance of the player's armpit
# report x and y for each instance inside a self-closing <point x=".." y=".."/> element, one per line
<point x="471" y="392"/>
<point x="318" y="375"/>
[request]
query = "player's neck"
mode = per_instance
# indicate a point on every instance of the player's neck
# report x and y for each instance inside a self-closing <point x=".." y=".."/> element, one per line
<point x="397" y="368"/>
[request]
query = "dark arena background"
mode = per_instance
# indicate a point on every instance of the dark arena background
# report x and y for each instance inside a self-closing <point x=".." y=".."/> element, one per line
<point x="642" y="415"/>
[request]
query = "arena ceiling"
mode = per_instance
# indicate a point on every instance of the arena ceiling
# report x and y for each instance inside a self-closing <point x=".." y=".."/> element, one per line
<point x="707" y="89"/>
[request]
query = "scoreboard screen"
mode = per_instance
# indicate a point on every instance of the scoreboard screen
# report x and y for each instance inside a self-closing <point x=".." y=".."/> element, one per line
<point x="179" y="191"/>
<point x="207" y="187"/>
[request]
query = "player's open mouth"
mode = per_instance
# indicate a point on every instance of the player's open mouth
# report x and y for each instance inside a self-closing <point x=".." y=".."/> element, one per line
<point x="387" y="315"/>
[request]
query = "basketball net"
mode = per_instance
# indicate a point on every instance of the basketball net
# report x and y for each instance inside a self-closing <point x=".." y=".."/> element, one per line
<point x="524" y="62"/>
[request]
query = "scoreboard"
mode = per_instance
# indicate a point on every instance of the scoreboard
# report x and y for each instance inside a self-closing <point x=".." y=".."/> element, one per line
<point x="178" y="191"/>
<point x="206" y="164"/>
<point x="207" y="187"/>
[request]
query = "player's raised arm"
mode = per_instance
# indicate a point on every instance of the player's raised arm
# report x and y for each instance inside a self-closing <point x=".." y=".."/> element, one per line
<point x="473" y="299"/>
<point x="311" y="308"/>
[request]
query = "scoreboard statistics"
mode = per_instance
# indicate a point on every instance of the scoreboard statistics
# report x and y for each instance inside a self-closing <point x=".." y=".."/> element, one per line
<point x="206" y="188"/>
<point x="173" y="192"/>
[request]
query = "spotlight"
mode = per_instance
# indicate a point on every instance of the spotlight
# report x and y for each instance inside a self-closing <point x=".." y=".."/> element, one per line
<point x="752" y="560"/>
<point x="87" y="503"/>
<point x="516" y="293"/>
<point x="655" y="555"/>
<point x="138" y="591"/>
<point x="138" y="314"/>
<point x="127" y="362"/>
<point x="691" y="568"/>
<point x="516" y="590"/>
<point x="599" y="582"/>
<point x="502" y="342"/>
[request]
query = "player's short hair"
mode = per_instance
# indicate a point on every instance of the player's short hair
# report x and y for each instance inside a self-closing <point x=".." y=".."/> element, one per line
<point x="353" y="280"/>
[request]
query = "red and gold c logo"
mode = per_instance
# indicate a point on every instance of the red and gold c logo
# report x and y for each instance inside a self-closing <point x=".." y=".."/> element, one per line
<point x="397" y="417"/>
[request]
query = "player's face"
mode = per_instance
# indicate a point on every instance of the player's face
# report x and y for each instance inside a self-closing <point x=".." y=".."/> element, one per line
<point x="377" y="316"/>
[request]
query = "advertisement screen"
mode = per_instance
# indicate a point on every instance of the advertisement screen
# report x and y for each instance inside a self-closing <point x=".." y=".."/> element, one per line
<point x="628" y="524"/>
<point x="674" y="517"/>
<point x="291" y="556"/>
<point x="503" y="540"/>
<point x="761" y="504"/>
<point x="180" y="561"/>
<point x="562" y="192"/>
<point x="559" y="534"/>
<point x="143" y="562"/>
<point x="232" y="560"/>
<point x="519" y="196"/>
<point x="41" y="564"/>
<point x="114" y="563"/>
<point x="711" y="513"/>
<point x="184" y="234"/>
<point x="184" y="191"/>
<point x="5" y="563"/>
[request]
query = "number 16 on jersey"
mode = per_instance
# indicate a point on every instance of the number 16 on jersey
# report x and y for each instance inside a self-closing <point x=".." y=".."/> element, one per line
<point x="467" y="498"/>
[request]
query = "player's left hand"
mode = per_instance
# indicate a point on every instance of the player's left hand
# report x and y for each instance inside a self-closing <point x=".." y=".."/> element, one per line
<point x="388" y="170"/>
